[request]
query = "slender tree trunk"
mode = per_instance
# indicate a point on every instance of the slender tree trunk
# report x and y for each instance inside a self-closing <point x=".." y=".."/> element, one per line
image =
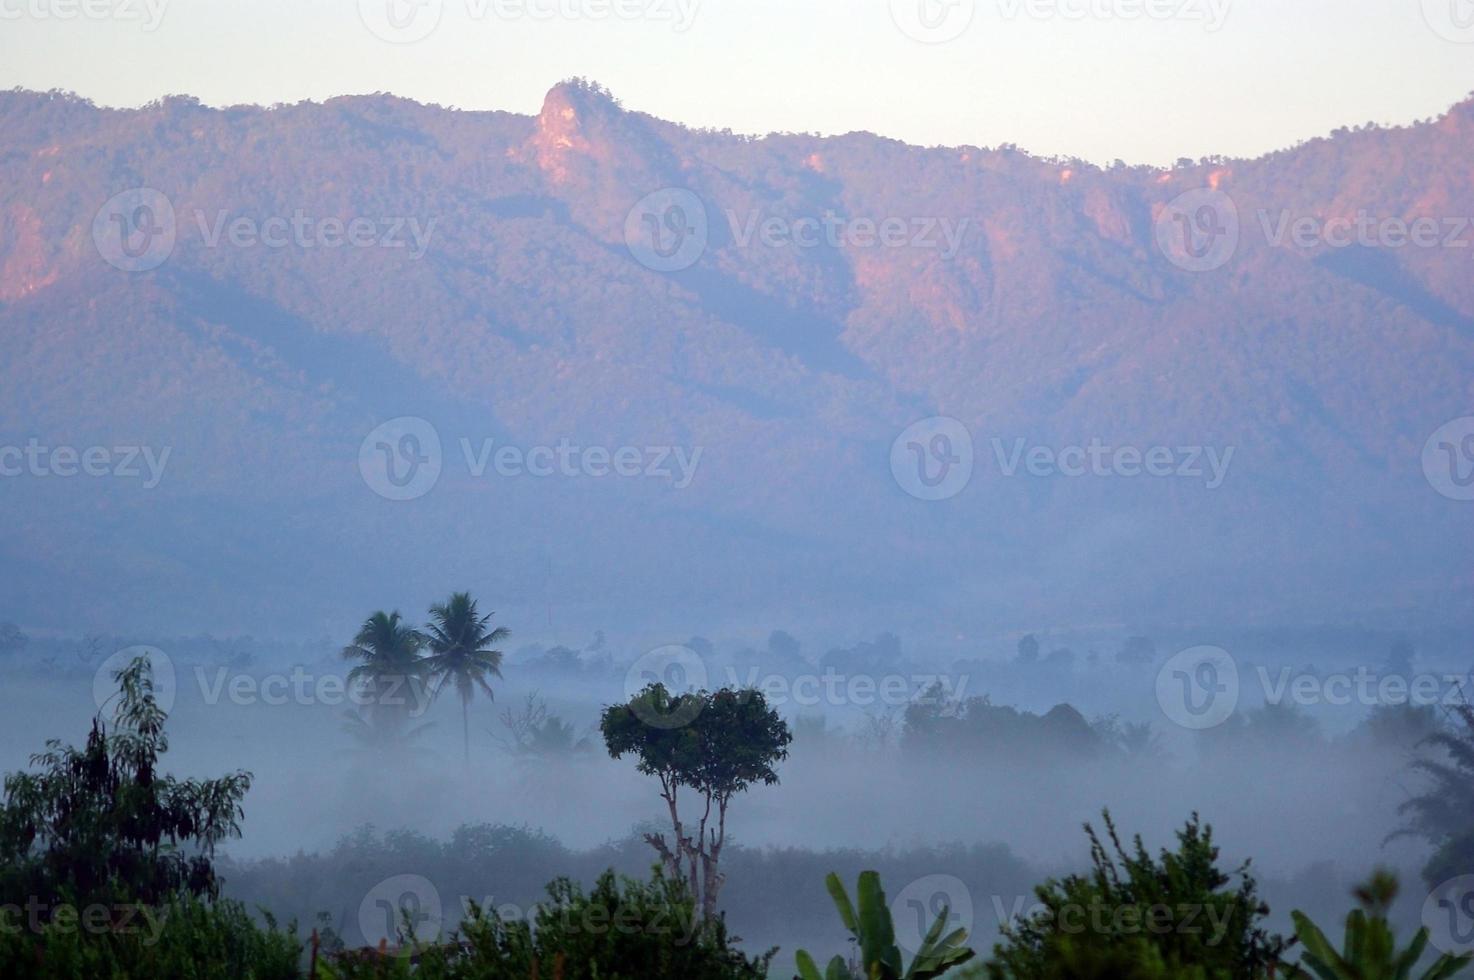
<point x="466" y="730"/>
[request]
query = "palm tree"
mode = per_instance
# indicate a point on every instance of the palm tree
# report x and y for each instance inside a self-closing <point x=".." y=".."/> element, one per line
<point x="461" y="653"/>
<point x="1444" y="813"/>
<point x="390" y="668"/>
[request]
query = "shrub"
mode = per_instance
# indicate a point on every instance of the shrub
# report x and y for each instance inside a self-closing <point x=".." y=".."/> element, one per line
<point x="1134" y="916"/>
<point x="188" y="938"/>
<point x="622" y="929"/>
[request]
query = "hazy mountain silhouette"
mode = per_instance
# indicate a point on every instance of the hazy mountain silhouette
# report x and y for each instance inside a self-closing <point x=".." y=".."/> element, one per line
<point x="530" y="319"/>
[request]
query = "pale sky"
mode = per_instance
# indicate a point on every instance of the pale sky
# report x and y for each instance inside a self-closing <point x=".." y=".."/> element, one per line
<point x="1147" y="81"/>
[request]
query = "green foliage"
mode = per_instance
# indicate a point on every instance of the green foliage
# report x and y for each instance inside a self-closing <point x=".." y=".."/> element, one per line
<point x="718" y="745"/>
<point x="875" y="937"/>
<point x="391" y="674"/>
<point x="462" y="653"/>
<point x="623" y="929"/>
<point x="1143" y="917"/>
<point x="101" y="825"/>
<point x="936" y="724"/>
<point x="1444" y="813"/>
<point x="1370" y="949"/>
<point x="188" y="938"/>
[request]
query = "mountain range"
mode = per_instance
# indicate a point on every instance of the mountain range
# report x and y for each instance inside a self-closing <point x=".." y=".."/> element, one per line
<point x="720" y="348"/>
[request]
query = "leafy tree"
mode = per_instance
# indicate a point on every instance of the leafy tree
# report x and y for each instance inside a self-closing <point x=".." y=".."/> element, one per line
<point x="1370" y="950"/>
<point x="1028" y="649"/>
<point x="1444" y="814"/>
<point x="101" y="825"/>
<point x="1171" y="917"/>
<point x="11" y="638"/>
<point x="875" y="940"/>
<point x="391" y="672"/>
<point x="715" y="744"/>
<point x="462" y="653"/>
<point x="535" y="733"/>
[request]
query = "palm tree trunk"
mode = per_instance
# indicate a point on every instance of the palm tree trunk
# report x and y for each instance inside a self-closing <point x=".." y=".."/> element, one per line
<point x="466" y="729"/>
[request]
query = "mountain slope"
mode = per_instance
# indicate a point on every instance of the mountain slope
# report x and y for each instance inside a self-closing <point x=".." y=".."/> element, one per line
<point x="507" y="291"/>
